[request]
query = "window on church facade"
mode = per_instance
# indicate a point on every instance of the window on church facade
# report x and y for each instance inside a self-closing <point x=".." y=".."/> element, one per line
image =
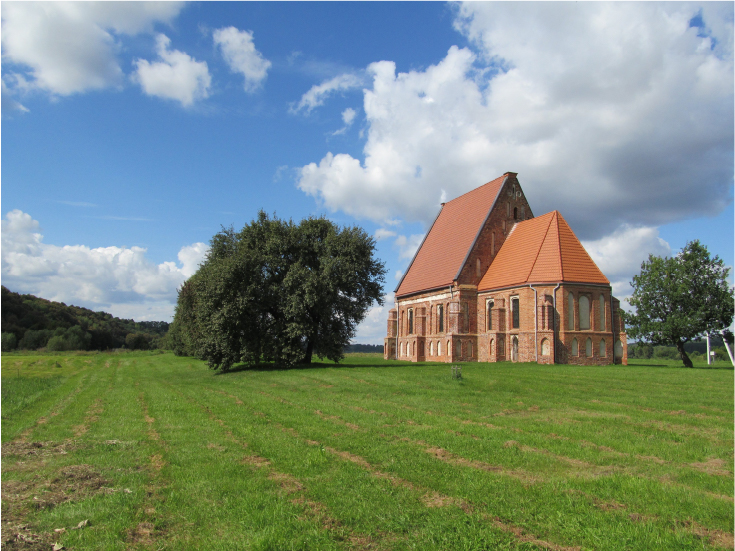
<point x="490" y="305"/>
<point x="438" y="348"/>
<point x="602" y="313"/>
<point x="410" y="321"/>
<point x="515" y="307"/>
<point x="588" y="347"/>
<point x="575" y="347"/>
<point x="570" y="314"/>
<point x="603" y="349"/>
<point x="584" y="313"/>
<point x="466" y="317"/>
<point x="440" y="316"/>
<point x="479" y="268"/>
<point x="545" y="347"/>
<point x="515" y="213"/>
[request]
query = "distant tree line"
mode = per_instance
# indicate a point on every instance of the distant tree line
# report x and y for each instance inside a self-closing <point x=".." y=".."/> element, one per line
<point x="372" y="348"/>
<point x="31" y="323"/>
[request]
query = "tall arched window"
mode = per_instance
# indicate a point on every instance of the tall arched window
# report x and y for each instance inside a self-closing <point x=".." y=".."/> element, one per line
<point x="575" y="348"/>
<point x="570" y="313"/>
<point x="440" y="316"/>
<point x="515" y="213"/>
<point x="603" y="349"/>
<point x="402" y="349"/>
<point x="584" y="313"/>
<point x="588" y="347"/>
<point x="410" y="321"/>
<point x="449" y="348"/>
<point x="618" y="349"/>
<point x="490" y="348"/>
<point x="602" y="313"/>
<point x="438" y="348"/>
<point x="490" y="304"/>
<point x="431" y="348"/>
<point x="515" y="307"/>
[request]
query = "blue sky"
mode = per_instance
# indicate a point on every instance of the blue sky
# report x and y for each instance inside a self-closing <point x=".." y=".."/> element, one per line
<point x="131" y="132"/>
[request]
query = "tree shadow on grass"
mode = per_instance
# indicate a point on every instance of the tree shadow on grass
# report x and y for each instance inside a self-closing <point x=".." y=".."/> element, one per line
<point x="324" y="365"/>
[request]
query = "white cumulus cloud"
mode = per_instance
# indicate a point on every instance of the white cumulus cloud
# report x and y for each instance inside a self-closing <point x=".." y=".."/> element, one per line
<point x="319" y="93"/>
<point x="176" y="76"/>
<point x="71" y="47"/>
<point x="620" y="254"/>
<point x="240" y="54"/>
<point x="119" y="280"/>
<point x="613" y="113"/>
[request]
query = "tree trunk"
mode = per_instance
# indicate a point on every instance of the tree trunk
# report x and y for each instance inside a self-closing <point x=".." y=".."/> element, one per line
<point x="309" y="352"/>
<point x="683" y="354"/>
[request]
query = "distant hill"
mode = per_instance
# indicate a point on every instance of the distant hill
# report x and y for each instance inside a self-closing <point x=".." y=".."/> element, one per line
<point x="37" y="323"/>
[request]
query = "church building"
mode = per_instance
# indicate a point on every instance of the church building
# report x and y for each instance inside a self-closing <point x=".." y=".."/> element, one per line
<point x="491" y="282"/>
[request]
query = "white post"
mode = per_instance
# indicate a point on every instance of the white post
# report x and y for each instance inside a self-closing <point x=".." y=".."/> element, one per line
<point x="727" y="346"/>
<point x="709" y="358"/>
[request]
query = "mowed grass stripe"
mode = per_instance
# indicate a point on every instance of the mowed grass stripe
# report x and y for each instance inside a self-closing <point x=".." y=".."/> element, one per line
<point x="677" y="498"/>
<point x="397" y="456"/>
<point x="572" y="452"/>
<point x="426" y="525"/>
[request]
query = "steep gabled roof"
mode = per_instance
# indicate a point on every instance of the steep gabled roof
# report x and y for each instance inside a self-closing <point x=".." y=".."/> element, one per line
<point x="541" y="250"/>
<point x="445" y="247"/>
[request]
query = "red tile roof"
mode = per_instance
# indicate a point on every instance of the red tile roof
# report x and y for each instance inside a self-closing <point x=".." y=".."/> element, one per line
<point x="541" y="250"/>
<point x="445" y="247"/>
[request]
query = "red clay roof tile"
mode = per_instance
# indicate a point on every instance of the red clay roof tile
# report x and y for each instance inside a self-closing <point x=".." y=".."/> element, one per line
<point x="541" y="250"/>
<point x="445" y="247"/>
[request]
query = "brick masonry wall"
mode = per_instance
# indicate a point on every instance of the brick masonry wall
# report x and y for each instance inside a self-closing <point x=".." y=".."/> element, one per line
<point x="499" y="222"/>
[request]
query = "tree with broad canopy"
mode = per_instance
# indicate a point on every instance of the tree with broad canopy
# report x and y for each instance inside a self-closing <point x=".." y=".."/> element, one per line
<point x="278" y="292"/>
<point x="678" y="299"/>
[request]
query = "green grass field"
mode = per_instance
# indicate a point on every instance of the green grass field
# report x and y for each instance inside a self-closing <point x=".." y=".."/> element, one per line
<point x="150" y="451"/>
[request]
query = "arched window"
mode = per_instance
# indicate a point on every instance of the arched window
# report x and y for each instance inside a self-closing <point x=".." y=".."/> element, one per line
<point x="588" y="347"/>
<point x="449" y="348"/>
<point x="479" y="268"/>
<point x="410" y="321"/>
<point x="545" y="347"/>
<point x="515" y="213"/>
<point x="514" y="350"/>
<point x="402" y="350"/>
<point x="466" y="317"/>
<point x="490" y="348"/>
<point x="603" y="349"/>
<point x="575" y="348"/>
<point x="570" y="313"/>
<point x="602" y="313"/>
<point x="490" y="304"/>
<point x="431" y="348"/>
<point x="618" y="349"/>
<point x="584" y="313"/>
<point x="507" y="210"/>
<point x="440" y="316"/>
<point x="438" y="348"/>
<point x="515" y="307"/>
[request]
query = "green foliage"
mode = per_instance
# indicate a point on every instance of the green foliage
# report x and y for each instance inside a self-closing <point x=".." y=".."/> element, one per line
<point x="278" y="292"/>
<point x="36" y="322"/>
<point x="679" y="299"/>
<point x="9" y="342"/>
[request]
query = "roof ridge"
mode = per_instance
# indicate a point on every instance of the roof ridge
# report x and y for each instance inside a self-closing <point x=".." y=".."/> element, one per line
<point x="558" y="240"/>
<point x="538" y="252"/>
<point x="479" y="187"/>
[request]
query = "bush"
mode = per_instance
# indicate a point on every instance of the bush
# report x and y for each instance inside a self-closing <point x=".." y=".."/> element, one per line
<point x="33" y="340"/>
<point x="57" y="344"/>
<point x="665" y="352"/>
<point x="9" y="342"/>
